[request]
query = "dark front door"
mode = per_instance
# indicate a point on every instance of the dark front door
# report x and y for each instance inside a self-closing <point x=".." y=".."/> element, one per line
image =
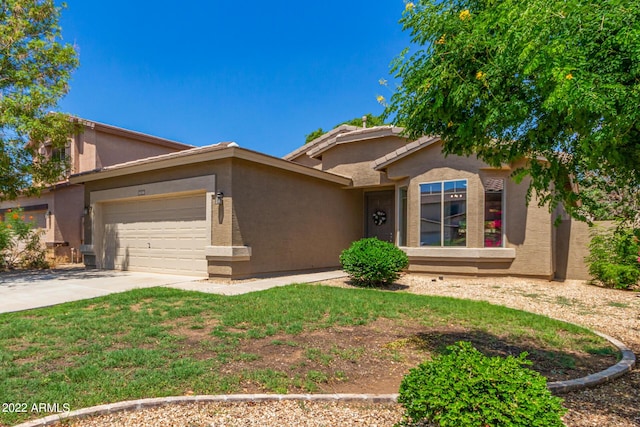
<point x="380" y="215"/>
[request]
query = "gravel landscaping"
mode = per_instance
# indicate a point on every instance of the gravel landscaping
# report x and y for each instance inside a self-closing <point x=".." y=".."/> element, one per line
<point x="615" y="313"/>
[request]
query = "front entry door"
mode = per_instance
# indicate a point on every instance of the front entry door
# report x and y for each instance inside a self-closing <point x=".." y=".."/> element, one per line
<point x="380" y="215"/>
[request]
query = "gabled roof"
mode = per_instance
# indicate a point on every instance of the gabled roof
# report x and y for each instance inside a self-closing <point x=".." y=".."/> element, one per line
<point x="319" y="140"/>
<point x="404" y="151"/>
<point x="114" y="130"/>
<point x="356" y="135"/>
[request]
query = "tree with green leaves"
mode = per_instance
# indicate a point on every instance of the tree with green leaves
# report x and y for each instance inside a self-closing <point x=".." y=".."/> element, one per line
<point x="371" y="122"/>
<point x="553" y="82"/>
<point x="35" y="67"/>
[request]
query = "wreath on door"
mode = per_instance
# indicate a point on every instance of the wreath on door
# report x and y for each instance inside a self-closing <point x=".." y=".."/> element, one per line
<point x="379" y="217"/>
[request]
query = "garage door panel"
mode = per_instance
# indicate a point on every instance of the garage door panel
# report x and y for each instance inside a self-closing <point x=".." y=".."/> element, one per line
<point x="160" y="235"/>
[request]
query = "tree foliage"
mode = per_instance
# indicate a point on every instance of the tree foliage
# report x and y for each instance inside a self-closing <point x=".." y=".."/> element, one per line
<point x="557" y="80"/>
<point x="371" y="122"/>
<point x="35" y="67"/>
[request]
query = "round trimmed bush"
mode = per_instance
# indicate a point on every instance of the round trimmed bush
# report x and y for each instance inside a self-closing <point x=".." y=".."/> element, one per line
<point x="372" y="262"/>
<point x="464" y="388"/>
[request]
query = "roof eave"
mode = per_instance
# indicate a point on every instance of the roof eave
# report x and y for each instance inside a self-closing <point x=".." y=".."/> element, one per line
<point x="214" y="153"/>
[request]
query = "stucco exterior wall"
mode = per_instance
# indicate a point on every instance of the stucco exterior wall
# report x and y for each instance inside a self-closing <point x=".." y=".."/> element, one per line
<point x="98" y="149"/>
<point x="270" y="220"/>
<point x="290" y="221"/>
<point x="528" y="229"/>
<point x="354" y="159"/>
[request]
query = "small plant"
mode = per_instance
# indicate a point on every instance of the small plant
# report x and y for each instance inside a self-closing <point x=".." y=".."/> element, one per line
<point x="372" y="262"/>
<point x="614" y="257"/>
<point x="20" y="242"/>
<point x="464" y="388"/>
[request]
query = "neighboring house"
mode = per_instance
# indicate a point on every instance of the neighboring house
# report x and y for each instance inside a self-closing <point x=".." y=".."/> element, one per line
<point x="225" y="211"/>
<point x="60" y="208"/>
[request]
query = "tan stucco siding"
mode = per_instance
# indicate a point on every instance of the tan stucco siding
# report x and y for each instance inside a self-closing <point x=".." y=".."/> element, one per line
<point x="429" y="165"/>
<point x="99" y="149"/>
<point x="68" y="203"/>
<point x="528" y="229"/>
<point x="354" y="159"/>
<point x="291" y="222"/>
<point x="269" y="220"/>
<point x="305" y="160"/>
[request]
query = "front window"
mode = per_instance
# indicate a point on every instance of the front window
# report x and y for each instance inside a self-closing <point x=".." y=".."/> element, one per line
<point x="443" y="213"/>
<point x="493" y="217"/>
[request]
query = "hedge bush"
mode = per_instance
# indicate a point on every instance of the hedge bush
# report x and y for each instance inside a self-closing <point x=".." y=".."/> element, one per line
<point x="20" y="242"/>
<point x="614" y="257"/>
<point x="464" y="388"/>
<point x="372" y="262"/>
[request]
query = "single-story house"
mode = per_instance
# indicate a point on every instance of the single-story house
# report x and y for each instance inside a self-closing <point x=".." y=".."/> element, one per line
<point x="226" y="211"/>
<point x="59" y="210"/>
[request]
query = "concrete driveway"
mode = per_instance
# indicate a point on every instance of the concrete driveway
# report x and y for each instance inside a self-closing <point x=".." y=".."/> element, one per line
<point x="24" y="290"/>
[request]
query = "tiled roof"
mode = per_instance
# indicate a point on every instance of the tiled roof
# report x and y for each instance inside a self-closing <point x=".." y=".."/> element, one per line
<point x="176" y="154"/>
<point x="319" y="140"/>
<point x="356" y="135"/>
<point x="403" y="151"/>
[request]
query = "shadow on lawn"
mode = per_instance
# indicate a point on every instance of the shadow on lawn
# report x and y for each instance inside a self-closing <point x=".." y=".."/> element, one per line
<point x="553" y="364"/>
<point x="391" y="287"/>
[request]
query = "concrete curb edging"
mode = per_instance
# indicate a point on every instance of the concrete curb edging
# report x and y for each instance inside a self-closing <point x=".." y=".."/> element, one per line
<point x="133" y="405"/>
<point x="625" y="365"/>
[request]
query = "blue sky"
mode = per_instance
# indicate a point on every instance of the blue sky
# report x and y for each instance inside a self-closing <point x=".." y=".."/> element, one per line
<point x="260" y="73"/>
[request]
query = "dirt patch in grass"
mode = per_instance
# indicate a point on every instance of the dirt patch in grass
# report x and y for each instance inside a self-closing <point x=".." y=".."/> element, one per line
<point x="374" y="358"/>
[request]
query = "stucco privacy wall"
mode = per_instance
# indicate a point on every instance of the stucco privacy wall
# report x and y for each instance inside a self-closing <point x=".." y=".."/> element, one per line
<point x="573" y="239"/>
<point x="528" y="229"/>
<point x="60" y="220"/>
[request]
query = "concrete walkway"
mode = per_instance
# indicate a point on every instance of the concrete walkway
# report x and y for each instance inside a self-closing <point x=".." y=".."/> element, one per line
<point x="34" y="289"/>
<point x="256" y="285"/>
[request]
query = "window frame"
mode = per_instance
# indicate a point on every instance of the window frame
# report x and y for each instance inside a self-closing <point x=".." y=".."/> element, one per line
<point x="442" y="212"/>
<point x="503" y="217"/>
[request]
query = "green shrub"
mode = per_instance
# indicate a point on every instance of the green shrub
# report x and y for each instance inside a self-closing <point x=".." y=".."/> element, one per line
<point x="20" y="242"/>
<point x="372" y="262"/>
<point x="464" y="388"/>
<point x="614" y="257"/>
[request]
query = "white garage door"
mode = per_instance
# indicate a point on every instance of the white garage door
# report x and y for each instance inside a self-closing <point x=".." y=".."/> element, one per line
<point x="165" y="235"/>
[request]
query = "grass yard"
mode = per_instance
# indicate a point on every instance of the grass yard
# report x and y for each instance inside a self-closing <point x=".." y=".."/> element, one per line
<point x="302" y="338"/>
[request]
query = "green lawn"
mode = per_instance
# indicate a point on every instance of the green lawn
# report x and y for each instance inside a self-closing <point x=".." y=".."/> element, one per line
<point x="151" y="342"/>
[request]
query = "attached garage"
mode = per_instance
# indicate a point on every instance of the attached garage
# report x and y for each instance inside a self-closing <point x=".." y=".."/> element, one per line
<point x="217" y="211"/>
<point x="163" y="235"/>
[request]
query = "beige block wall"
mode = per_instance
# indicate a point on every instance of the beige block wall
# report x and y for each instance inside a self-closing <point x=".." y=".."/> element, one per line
<point x="354" y="159"/>
<point x="528" y="229"/>
<point x="573" y="239"/>
<point x="291" y="221"/>
<point x="67" y="218"/>
<point x="46" y="198"/>
<point x="63" y="226"/>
